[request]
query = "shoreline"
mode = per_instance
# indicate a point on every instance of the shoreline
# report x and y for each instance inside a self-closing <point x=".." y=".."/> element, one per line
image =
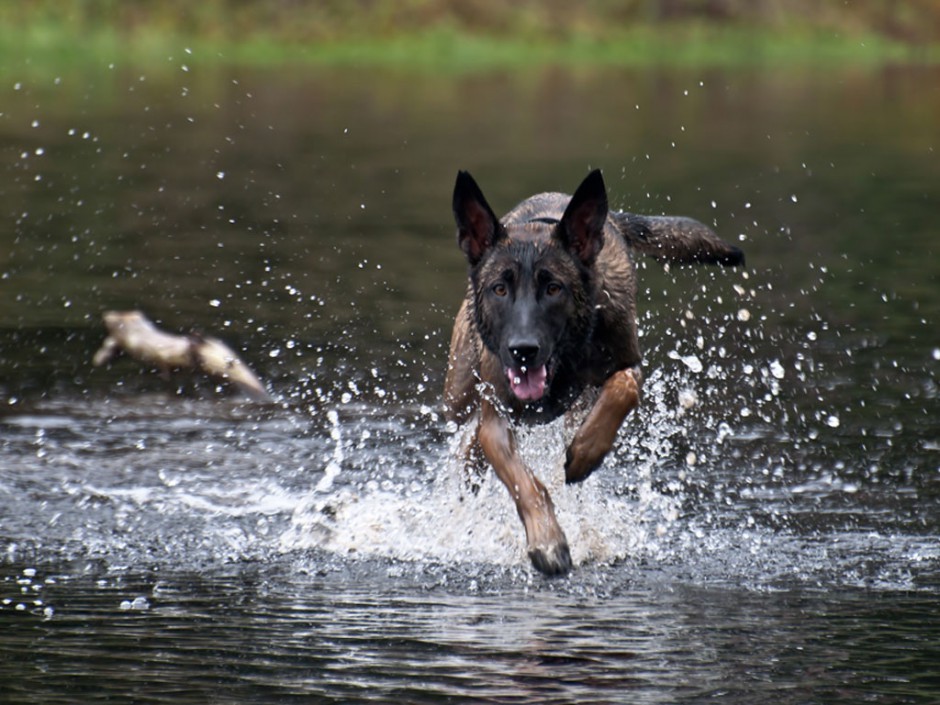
<point x="445" y="50"/>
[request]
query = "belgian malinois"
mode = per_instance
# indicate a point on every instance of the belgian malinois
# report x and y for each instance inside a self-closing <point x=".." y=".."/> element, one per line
<point x="550" y="312"/>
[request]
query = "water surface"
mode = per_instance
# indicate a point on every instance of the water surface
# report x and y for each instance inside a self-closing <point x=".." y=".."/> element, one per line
<point x="766" y="528"/>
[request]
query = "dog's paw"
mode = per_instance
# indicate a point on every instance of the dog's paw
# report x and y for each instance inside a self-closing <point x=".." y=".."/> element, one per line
<point x="552" y="560"/>
<point x="578" y="466"/>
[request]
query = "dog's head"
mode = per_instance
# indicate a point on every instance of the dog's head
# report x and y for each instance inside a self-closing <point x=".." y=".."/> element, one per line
<point x="533" y="299"/>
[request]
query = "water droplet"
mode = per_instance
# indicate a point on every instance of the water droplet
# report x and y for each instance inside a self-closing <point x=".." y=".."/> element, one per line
<point x="138" y="603"/>
<point x="744" y="315"/>
<point x="776" y="369"/>
<point x="833" y="421"/>
<point x="693" y="363"/>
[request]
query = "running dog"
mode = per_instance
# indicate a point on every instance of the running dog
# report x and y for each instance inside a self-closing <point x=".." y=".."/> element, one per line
<point x="550" y="312"/>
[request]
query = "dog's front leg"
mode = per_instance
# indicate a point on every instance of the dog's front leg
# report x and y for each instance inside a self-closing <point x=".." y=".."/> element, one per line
<point x="547" y="545"/>
<point x="595" y="437"/>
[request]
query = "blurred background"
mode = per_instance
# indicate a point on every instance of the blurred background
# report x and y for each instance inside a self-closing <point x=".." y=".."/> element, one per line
<point x="279" y="174"/>
<point x="166" y="155"/>
<point x="910" y="21"/>
<point x="452" y="32"/>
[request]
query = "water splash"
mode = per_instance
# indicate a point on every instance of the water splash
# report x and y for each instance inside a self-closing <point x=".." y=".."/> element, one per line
<point x="444" y="520"/>
<point x="345" y="478"/>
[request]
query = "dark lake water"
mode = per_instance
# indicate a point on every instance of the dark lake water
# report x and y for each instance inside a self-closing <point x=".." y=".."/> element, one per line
<point x="768" y="527"/>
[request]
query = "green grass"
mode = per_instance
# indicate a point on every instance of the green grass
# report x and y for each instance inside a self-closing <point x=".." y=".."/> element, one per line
<point x="443" y="49"/>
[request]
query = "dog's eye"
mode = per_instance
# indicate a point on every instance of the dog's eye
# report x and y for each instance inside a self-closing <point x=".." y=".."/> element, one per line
<point x="553" y="289"/>
<point x="500" y="289"/>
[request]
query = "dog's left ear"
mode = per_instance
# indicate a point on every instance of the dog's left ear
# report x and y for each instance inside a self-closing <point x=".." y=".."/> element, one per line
<point x="478" y="228"/>
<point x="581" y="230"/>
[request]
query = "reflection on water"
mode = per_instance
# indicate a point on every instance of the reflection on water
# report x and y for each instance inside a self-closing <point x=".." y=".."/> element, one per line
<point x="243" y="634"/>
<point x="768" y="525"/>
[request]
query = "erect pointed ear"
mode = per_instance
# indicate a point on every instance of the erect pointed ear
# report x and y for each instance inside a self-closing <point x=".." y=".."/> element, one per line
<point x="581" y="230"/>
<point x="478" y="229"/>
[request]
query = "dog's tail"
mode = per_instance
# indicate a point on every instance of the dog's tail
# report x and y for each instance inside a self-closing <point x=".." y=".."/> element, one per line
<point x="676" y="240"/>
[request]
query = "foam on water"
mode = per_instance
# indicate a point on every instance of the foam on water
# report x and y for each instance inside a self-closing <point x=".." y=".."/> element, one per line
<point x="445" y="521"/>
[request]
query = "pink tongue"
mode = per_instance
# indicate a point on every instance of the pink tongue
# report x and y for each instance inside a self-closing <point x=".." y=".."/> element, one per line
<point x="526" y="384"/>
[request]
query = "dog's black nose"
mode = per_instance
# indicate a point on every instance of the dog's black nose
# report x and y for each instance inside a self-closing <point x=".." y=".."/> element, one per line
<point x="524" y="352"/>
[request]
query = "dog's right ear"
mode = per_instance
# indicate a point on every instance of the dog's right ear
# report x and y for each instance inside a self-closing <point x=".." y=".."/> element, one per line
<point x="478" y="229"/>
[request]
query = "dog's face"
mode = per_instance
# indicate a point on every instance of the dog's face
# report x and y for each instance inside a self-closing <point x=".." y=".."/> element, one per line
<point x="533" y="300"/>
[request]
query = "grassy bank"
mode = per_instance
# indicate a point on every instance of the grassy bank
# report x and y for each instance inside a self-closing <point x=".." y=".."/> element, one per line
<point x="440" y="43"/>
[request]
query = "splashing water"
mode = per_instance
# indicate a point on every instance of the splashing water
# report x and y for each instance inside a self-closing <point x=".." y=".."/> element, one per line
<point x="618" y="514"/>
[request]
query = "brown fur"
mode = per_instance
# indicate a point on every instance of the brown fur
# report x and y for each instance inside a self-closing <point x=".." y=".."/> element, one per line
<point x="574" y="241"/>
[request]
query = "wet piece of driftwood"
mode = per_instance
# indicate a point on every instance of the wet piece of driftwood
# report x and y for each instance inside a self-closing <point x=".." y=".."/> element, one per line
<point x="132" y="333"/>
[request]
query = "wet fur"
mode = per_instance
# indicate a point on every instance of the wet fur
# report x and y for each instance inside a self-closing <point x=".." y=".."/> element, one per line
<point x="552" y="284"/>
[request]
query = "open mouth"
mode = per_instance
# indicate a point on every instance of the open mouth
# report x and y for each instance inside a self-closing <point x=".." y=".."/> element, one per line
<point x="527" y="383"/>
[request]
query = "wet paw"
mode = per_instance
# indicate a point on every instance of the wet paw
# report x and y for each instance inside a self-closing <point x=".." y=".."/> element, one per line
<point x="552" y="560"/>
